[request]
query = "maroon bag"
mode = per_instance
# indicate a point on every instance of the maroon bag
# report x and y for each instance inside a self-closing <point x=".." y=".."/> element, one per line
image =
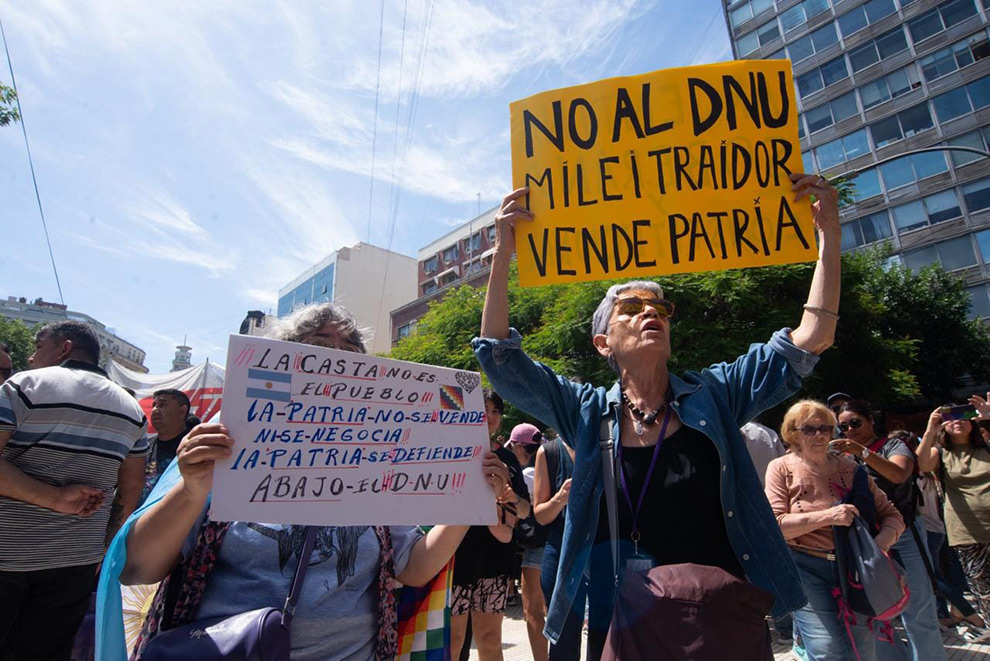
<point x="688" y="611"/>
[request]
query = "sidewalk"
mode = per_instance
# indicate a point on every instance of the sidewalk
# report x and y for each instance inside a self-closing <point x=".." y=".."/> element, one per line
<point x="515" y="643"/>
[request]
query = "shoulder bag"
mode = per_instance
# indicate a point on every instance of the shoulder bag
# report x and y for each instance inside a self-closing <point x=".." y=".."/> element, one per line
<point x="258" y="635"/>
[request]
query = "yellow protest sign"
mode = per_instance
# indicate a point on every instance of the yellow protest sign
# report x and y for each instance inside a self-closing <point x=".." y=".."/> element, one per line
<point x="673" y="171"/>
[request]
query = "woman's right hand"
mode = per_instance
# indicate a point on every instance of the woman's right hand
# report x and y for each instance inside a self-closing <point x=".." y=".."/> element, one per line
<point x="841" y="515"/>
<point x="505" y="221"/>
<point x="197" y="454"/>
<point x="935" y="420"/>
<point x="564" y="492"/>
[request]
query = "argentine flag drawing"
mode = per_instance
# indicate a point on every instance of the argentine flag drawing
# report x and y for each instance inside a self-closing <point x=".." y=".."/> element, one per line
<point x="262" y="384"/>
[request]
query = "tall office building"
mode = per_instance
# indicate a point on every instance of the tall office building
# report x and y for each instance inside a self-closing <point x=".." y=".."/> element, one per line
<point x="880" y="78"/>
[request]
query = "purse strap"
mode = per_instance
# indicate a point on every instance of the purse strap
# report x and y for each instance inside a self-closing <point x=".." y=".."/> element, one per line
<point x="606" y="444"/>
<point x="289" y="609"/>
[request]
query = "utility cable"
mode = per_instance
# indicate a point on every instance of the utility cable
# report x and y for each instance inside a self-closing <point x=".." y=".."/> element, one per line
<point x="374" y="126"/>
<point x="34" y="178"/>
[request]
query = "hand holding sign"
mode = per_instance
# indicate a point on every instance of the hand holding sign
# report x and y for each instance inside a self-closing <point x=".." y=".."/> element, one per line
<point x="511" y="211"/>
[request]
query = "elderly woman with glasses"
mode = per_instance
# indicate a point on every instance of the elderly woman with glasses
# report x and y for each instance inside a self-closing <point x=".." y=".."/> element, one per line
<point x="344" y="609"/>
<point x="803" y="488"/>
<point x="689" y="492"/>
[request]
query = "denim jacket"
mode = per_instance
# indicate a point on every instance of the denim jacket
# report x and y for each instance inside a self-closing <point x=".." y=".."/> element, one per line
<point x="715" y="401"/>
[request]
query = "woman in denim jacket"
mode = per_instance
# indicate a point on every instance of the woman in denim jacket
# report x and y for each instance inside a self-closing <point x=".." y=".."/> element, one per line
<point x="686" y="500"/>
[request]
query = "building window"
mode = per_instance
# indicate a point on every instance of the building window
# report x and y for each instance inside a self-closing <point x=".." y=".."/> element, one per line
<point x="881" y="48"/>
<point x="866" y="14"/>
<point x="889" y="87"/>
<point x="813" y="43"/>
<point x="818" y="79"/>
<point x="930" y="210"/>
<point x="979" y="301"/>
<point x="801" y="13"/>
<point x="808" y="160"/>
<point x="962" y="100"/>
<point x="866" y="185"/>
<point x="944" y="16"/>
<point x="450" y="254"/>
<point x="748" y="10"/>
<point x="491" y="235"/>
<point x="832" y="112"/>
<point x="952" y="254"/>
<point x="768" y="32"/>
<point x="958" y="55"/>
<point x="909" y="169"/>
<point x="865" y="230"/>
<point x="430" y="265"/>
<point x="844" y="149"/>
<point x="405" y="330"/>
<point x="902" y="125"/>
<point x="472" y="244"/>
<point x="747" y="43"/>
<point x="976" y="140"/>
<point x="448" y="279"/>
<point x="977" y="195"/>
<point x="429" y="287"/>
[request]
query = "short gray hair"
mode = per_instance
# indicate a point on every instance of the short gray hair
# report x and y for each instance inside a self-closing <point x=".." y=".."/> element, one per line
<point x="599" y="320"/>
<point x="311" y="318"/>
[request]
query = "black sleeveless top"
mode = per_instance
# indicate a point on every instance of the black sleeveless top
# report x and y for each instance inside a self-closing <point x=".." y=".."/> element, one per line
<point x="681" y="518"/>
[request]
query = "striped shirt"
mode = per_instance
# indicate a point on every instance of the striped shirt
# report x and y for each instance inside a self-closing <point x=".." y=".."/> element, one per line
<point x="71" y="425"/>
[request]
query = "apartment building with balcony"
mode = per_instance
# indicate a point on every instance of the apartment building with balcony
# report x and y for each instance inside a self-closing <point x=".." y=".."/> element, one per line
<point x="463" y="256"/>
<point x="878" y="78"/>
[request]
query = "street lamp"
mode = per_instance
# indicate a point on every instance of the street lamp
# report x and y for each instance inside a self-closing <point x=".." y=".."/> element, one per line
<point x="858" y="171"/>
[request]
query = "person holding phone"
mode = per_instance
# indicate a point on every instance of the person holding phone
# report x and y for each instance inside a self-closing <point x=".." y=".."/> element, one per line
<point x="891" y="463"/>
<point x="955" y="450"/>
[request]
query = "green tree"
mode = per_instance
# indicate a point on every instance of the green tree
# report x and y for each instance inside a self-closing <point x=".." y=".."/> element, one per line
<point x="902" y="335"/>
<point x="8" y="105"/>
<point x="19" y="337"/>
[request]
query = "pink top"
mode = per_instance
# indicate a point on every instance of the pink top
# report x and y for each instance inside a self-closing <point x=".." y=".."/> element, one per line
<point x="792" y="487"/>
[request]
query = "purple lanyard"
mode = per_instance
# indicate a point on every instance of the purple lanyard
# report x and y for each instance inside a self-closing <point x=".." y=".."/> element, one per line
<point x="635" y="536"/>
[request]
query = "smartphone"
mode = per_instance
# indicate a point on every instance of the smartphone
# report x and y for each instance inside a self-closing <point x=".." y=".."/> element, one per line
<point x="961" y="412"/>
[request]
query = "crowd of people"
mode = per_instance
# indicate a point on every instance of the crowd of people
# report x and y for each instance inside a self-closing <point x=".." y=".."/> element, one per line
<point x="652" y="519"/>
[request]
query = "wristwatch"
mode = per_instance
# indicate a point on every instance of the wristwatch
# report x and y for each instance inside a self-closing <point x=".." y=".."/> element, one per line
<point x="866" y="454"/>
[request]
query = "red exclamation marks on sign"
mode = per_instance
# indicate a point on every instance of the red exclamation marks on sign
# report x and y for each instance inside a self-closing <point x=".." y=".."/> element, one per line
<point x="477" y="451"/>
<point x="405" y="435"/>
<point x="297" y="362"/>
<point x="245" y="356"/>
<point x="387" y="478"/>
<point x="457" y="482"/>
<point x="427" y="398"/>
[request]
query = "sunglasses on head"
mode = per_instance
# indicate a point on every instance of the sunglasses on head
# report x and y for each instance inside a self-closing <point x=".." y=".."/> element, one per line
<point x="633" y="306"/>
<point x="811" y="430"/>
<point x="855" y="423"/>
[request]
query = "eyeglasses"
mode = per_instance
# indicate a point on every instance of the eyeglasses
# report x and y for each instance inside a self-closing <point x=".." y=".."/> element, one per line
<point x="811" y="430"/>
<point x="855" y="423"/>
<point x="633" y="306"/>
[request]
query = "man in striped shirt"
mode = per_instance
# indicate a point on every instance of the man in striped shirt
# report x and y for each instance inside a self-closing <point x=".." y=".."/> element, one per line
<point x="69" y="438"/>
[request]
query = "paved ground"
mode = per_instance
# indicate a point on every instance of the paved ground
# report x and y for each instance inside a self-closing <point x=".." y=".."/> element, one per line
<point x="515" y="644"/>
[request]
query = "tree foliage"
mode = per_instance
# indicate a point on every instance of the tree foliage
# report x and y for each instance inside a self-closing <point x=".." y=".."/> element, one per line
<point x="902" y="336"/>
<point x="8" y="105"/>
<point x="19" y="337"/>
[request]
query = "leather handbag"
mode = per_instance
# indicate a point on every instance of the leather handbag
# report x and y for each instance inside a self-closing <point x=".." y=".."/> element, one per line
<point x="258" y="635"/>
<point x="684" y="611"/>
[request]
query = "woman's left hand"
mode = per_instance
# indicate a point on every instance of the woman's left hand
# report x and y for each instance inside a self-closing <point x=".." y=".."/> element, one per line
<point x="826" y="205"/>
<point x="496" y="473"/>
<point x="847" y="446"/>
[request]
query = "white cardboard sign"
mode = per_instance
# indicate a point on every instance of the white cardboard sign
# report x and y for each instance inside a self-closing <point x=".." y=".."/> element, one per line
<point x="330" y="437"/>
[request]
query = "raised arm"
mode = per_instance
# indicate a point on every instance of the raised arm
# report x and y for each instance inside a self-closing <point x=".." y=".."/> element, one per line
<point x="495" y="317"/>
<point x="817" y="330"/>
<point x="927" y="450"/>
<point x="156" y="538"/>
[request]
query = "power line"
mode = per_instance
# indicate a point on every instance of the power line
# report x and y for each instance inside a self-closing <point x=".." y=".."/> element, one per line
<point x="374" y="126"/>
<point x="34" y="178"/>
<point x="398" y="105"/>
<point x="702" y="40"/>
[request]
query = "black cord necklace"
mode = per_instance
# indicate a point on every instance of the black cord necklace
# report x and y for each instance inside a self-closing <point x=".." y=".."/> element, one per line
<point x="640" y="417"/>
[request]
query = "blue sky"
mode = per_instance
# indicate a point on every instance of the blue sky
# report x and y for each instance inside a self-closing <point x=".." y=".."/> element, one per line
<point x="194" y="157"/>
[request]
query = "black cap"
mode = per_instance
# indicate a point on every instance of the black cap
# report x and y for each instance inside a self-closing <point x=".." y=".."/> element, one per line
<point x="837" y="395"/>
